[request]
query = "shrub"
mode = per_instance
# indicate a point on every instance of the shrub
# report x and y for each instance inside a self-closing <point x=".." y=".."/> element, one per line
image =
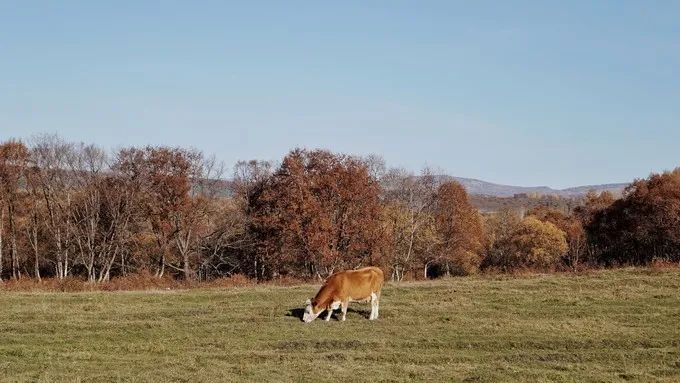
<point x="531" y="244"/>
<point x="643" y="226"/>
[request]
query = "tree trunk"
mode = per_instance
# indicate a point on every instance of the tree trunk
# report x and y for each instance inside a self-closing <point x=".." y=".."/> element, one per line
<point x="37" y="265"/>
<point x="262" y="266"/>
<point x="16" y="274"/>
<point x="32" y="236"/>
<point x="105" y="272"/>
<point x="183" y="246"/>
<point x="36" y="253"/>
<point x="59" y="266"/>
<point x="161" y="266"/>
<point x="255" y="268"/>
<point x="186" y="266"/>
<point x="65" y="268"/>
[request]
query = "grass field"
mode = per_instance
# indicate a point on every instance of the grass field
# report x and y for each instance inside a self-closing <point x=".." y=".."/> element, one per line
<point x="608" y="326"/>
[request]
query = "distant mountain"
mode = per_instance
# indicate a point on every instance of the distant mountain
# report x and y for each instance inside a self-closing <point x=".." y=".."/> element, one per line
<point x="479" y="187"/>
<point x="483" y="188"/>
<point x="616" y="189"/>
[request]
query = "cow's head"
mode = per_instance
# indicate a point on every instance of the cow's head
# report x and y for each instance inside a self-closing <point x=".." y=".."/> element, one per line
<point x="311" y="312"/>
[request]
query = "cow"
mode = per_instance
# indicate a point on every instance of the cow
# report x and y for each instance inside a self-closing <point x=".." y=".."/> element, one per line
<point x="362" y="285"/>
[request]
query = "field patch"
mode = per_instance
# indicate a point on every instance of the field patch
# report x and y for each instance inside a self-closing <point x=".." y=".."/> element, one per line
<point x="608" y="326"/>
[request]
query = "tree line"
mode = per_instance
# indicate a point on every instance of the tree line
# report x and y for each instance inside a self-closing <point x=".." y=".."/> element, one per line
<point x="76" y="210"/>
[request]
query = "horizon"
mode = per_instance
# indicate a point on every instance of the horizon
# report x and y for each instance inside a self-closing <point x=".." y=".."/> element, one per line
<point x="229" y="166"/>
<point x="521" y="94"/>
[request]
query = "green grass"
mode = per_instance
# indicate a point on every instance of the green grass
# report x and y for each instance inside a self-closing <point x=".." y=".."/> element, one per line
<point x="610" y="326"/>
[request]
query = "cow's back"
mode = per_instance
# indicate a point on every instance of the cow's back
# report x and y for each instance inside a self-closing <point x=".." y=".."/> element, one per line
<point x="359" y="284"/>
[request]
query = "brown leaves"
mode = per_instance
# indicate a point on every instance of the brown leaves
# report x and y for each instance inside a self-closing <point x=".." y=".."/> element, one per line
<point x="70" y="208"/>
<point x="643" y="226"/>
<point x="319" y="210"/>
<point x="529" y="243"/>
<point x="460" y="228"/>
<point x="14" y="159"/>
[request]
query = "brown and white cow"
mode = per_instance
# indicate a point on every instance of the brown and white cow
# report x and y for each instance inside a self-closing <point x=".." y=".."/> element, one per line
<point x="360" y="285"/>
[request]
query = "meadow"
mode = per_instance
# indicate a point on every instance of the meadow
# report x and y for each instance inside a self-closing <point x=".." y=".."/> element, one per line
<point x="602" y="326"/>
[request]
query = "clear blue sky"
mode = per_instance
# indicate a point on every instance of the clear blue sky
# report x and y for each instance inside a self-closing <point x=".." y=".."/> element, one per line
<point x="556" y="93"/>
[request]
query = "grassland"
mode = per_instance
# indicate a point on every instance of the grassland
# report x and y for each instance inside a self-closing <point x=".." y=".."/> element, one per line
<point x="609" y="326"/>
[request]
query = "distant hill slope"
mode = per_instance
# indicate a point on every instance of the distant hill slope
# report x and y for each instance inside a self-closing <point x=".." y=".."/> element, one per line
<point x="483" y="188"/>
<point x="479" y="187"/>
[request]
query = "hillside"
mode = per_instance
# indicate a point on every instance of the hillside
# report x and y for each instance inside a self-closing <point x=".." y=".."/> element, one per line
<point x="479" y="187"/>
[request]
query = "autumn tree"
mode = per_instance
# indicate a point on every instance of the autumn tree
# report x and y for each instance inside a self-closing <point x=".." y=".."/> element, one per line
<point x="247" y="178"/>
<point x="593" y="203"/>
<point x="170" y="200"/>
<point x="571" y="225"/>
<point x="34" y="217"/>
<point x="499" y="227"/>
<point x="532" y="244"/>
<point x="318" y="212"/>
<point x="14" y="158"/>
<point x="238" y="232"/>
<point x="101" y="212"/>
<point x="642" y="226"/>
<point x="227" y="246"/>
<point x="460" y="229"/>
<point x="196" y="225"/>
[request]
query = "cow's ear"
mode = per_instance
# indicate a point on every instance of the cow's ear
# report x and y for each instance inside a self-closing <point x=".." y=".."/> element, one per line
<point x="308" y="302"/>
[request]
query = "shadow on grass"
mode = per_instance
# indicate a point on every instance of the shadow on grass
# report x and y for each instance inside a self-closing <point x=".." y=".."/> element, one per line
<point x="299" y="312"/>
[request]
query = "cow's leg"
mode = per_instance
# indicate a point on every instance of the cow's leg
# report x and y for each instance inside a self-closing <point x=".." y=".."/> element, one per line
<point x="334" y="306"/>
<point x="377" y="305"/>
<point x="374" y="307"/>
<point x="344" y="304"/>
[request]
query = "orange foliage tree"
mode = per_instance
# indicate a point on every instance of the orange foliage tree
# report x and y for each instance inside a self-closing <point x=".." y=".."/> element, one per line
<point x="460" y="229"/>
<point x="571" y="225"/>
<point x="533" y="244"/>
<point x="642" y="226"/>
<point x="14" y="158"/>
<point x="319" y="212"/>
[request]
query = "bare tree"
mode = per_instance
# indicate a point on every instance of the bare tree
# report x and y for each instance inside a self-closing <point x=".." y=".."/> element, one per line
<point x="35" y="218"/>
<point x="51" y="156"/>
<point x="414" y="196"/>
<point x="250" y="179"/>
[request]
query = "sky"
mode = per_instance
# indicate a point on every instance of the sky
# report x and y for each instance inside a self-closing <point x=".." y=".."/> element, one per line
<point x="557" y="93"/>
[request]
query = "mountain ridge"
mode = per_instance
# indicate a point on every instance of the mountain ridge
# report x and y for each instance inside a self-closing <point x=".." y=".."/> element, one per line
<point x="480" y="187"/>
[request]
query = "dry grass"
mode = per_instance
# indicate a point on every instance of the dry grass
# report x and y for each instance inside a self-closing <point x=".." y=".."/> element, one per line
<point x="133" y="282"/>
<point x="603" y="326"/>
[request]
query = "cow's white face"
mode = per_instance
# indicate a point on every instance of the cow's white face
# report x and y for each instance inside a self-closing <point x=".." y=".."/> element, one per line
<point x="309" y="314"/>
